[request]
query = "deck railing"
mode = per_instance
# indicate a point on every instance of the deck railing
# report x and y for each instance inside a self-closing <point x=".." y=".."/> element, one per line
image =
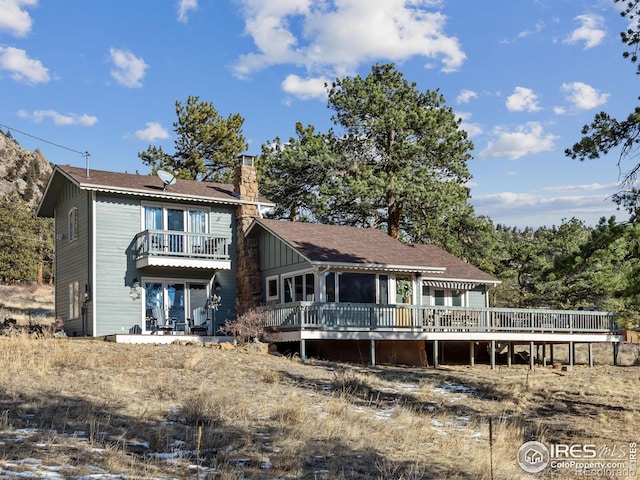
<point x="163" y="243"/>
<point x="361" y="316"/>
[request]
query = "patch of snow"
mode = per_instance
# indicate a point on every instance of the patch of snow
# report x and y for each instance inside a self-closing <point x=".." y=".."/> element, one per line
<point x="138" y="444"/>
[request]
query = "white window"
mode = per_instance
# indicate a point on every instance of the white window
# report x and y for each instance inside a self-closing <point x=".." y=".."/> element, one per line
<point x="447" y="297"/>
<point x="175" y="218"/>
<point x="273" y="292"/>
<point x="72" y="227"/>
<point x="299" y="288"/>
<point x="187" y="226"/>
<point x="74" y="300"/>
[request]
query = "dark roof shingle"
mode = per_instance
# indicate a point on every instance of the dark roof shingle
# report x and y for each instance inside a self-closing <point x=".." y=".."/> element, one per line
<point x="150" y="185"/>
<point x="331" y="244"/>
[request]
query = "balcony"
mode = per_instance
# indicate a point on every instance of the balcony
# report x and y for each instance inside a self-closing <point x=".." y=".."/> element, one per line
<point x="163" y="248"/>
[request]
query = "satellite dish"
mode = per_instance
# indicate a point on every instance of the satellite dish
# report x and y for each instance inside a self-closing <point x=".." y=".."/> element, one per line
<point x="166" y="177"/>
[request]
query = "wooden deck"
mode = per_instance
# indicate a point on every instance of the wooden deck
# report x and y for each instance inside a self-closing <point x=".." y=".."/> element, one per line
<point x="303" y="321"/>
<point x="355" y="317"/>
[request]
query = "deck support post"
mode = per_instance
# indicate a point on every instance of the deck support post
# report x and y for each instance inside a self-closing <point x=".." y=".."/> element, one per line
<point x="493" y="354"/>
<point x="571" y="354"/>
<point x="551" y="353"/>
<point x="472" y="358"/>
<point x="616" y="349"/>
<point x="373" y="352"/>
<point x="436" y="363"/>
<point x="303" y="350"/>
<point x="532" y="358"/>
<point x="544" y="354"/>
<point x="509" y="354"/>
<point x="590" y="355"/>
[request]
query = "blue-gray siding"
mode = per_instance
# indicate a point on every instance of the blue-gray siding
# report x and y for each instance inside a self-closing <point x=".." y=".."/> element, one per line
<point x="477" y="297"/>
<point x="117" y="222"/>
<point x="72" y="259"/>
<point x="276" y="257"/>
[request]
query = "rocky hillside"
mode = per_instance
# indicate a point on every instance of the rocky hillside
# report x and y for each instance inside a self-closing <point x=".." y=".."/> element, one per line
<point x="21" y="170"/>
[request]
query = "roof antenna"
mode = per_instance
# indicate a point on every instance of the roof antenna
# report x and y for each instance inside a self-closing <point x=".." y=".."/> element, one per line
<point x="86" y="160"/>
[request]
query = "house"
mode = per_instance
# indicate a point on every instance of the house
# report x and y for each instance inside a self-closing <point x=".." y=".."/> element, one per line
<point x="350" y="266"/>
<point x="136" y="254"/>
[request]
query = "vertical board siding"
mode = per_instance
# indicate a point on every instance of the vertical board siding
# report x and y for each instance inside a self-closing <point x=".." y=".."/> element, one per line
<point x="72" y="257"/>
<point x="276" y="256"/>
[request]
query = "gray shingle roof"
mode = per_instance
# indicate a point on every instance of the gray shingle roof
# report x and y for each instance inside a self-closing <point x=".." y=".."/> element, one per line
<point x="370" y="248"/>
<point x="140" y="185"/>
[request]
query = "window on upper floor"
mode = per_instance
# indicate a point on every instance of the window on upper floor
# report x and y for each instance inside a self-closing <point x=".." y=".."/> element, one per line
<point x="72" y="224"/>
<point x="175" y="218"/>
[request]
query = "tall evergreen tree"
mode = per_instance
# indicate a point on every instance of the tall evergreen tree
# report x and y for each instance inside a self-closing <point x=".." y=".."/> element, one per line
<point x="18" y="244"/>
<point x="294" y="174"/>
<point x="606" y="134"/>
<point x="404" y="153"/>
<point x="206" y="146"/>
<point x="396" y="160"/>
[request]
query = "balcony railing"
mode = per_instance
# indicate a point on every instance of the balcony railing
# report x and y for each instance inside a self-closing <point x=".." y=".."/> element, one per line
<point x="163" y="243"/>
<point x="359" y="316"/>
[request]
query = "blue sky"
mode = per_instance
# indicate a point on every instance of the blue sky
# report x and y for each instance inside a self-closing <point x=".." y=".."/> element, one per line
<point x="524" y="76"/>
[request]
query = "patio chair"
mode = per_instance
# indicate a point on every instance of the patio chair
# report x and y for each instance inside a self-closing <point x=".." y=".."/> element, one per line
<point x="199" y="323"/>
<point x="161" y="320"/>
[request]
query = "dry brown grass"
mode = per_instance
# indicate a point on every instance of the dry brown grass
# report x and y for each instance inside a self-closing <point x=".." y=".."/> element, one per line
<point x="26" y="302"/>
<point x="245" y="414"/>
<point x="127" y="403"/>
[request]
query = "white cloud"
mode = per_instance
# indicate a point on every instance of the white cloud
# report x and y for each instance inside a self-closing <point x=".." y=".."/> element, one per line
<point x="527" y="139"/>
<point x="305" y="88"/>
<point x="583" y="96"/>
<point x="465" y="96"/>
<point x="472" y="129"/>
<point x="184" y="6"/>
<point x="23" y="69"/>
<point x="341" y="34"/>
<point x="559" y="110"/>
<point x="540" y="208"/>
<point x="536" y="29"/>
<point x="523" y="99"/>
<point x="589" y="187"/>
<point x="154" y="131"/>
<point x="590" y="31"/>
<point x="14" y="18"/>
<point x="38" y="116"/>
<point x="128" y="69"/>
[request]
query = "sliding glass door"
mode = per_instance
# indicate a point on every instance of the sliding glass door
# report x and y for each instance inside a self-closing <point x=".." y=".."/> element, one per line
<point x="172" y="301"/>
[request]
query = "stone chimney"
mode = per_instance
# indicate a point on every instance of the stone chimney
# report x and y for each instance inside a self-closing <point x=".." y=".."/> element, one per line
<point x="245" y="183"/>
